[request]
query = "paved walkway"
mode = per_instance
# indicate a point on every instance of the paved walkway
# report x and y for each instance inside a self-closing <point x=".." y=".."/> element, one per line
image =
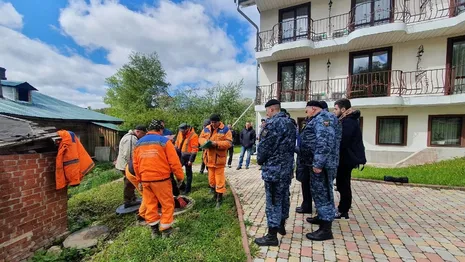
<point x="388" y="223"/>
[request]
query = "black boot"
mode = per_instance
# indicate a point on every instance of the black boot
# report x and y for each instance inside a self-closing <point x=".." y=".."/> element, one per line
<point x="282" y="229"/>
<point x="219" y="200"/>
<point x="212" y="190"/>
<point x="270" y="239"/>
<point x="314" y="220"/>
<point x="155" y="231"/>
<point x="323" y="233"/>
<point x="215" y="196"/>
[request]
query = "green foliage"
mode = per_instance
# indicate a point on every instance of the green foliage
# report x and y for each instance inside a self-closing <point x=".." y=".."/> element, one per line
<point x="102" y="173"/>
<point x="138" y="93"/>
<point x="447" y="173"/>
<point x="138" y="86"/>
<point x="68" y="255"/>
<point x="205" y="234"/>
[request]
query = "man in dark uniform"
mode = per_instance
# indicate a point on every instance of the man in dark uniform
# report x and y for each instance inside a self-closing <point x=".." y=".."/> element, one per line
<point x="275" y="153"/>
<point x="322" y="142"/>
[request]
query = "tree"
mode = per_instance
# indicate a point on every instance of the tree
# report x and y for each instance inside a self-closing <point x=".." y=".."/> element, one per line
<point x="137" y="87"/>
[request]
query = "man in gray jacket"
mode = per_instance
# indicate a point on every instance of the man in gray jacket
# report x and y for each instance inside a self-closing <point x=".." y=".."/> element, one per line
<point x="126" y="146"/>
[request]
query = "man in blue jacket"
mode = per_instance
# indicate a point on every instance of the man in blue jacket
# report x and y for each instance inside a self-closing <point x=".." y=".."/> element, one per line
<point x="247" y="137"/>
<point x="352" y="153"/>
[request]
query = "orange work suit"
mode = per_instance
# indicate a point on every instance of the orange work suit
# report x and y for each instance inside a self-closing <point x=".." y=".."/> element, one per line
<point x="215" y="157"/>
<point x="72" y="162"/>
<point x="131" y="176"/>
<point x="188" y="145"/>
<point x="154" y="159"/>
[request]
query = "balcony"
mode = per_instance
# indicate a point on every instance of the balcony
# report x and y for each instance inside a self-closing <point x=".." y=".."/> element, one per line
<point x="359" y="17"/>
<point x="441" y="81"/>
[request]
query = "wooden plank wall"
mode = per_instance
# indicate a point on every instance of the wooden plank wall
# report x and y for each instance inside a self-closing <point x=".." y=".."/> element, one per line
<point x="110" y="138"/>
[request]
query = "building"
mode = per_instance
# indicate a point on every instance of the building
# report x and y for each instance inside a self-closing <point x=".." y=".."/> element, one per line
<point x="33" y="213"/>
<point x="401" y="62"/>
<point x="96" y="131"/>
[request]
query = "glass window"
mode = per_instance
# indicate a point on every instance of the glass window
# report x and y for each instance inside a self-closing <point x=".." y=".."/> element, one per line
<point x="293" y="78"/>
<point x="371" y="12"/>
<point x="392" y="130"/>
<point x="294" y="23"/>
<point x="446" y="130"/>
<point x="458" y="65"/>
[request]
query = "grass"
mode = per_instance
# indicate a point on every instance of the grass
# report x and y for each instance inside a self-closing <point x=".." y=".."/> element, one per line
<point x="446" y="173"/>
<point x="198" y="158"/>
<point x="206" y="234"/>
<point x="102" y="173"/>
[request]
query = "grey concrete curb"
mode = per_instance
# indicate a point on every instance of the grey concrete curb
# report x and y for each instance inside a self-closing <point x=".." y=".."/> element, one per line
<point x="240" y="212"/>
<point x="437" y="187"/>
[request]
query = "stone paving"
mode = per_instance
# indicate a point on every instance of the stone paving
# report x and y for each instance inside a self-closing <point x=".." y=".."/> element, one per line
<point x="387" y="223"/>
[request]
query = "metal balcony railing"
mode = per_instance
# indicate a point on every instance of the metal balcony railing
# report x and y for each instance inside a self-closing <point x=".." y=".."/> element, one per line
<point x="361" y="16"/>
<point x="445" y="81"/>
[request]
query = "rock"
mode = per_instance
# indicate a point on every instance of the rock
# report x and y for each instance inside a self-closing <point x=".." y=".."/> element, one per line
<point x="85" y="238"/>
<point x="54" y="250"/>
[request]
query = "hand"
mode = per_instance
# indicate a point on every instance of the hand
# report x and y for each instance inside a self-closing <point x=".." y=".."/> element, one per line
<point x="189" y="163"/>
<point x="140" y="187"/>
<point x="214" y="143"/>
<point x="180" y="183"/>
<point x="317" y="170"/>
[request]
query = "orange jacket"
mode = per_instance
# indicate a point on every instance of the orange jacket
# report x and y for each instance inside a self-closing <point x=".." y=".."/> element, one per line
<point x="155" y="158"/>
<point x="72" y="162"/>
<point x="188" y="145"/>
<point x="216" y="156"/>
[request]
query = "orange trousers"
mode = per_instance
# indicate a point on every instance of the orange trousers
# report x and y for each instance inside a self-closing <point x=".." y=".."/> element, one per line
<point x="216" y="179"/>
<point x="142" y="208"/>
<point x="154" y="193"/>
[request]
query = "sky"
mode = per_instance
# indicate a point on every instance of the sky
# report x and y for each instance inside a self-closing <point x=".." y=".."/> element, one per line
<point x="67" y="48"/>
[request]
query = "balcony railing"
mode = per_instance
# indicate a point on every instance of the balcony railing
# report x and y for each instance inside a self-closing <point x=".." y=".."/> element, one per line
<point x="373" y="84"/>
<point x="359" y="17"/>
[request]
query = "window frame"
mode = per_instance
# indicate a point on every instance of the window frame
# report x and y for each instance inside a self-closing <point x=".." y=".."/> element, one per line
<point x="293" y="63"/>
<point x="293" y="8"/>
<point x="430" y="128"/>
<point x="372" y="22"/>
<point x="404" y="118"/>
<point x="450" y="52"/>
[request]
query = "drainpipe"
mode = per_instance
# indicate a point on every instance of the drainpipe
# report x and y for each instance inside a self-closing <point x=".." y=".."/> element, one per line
<point x="256" y="49"/>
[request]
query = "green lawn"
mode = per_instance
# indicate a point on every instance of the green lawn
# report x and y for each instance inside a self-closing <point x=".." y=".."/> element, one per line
<point x="447" y="173"/>
<point x="198" y="158"/>
<point x="102" y="173"/>
<point x="206" y="234"/>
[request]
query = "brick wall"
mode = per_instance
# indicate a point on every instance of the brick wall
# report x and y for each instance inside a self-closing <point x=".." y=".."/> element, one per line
<point x="32" y="211"/>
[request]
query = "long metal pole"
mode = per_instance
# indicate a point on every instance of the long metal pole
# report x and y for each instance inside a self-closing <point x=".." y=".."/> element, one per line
<point x="243" y="113"/>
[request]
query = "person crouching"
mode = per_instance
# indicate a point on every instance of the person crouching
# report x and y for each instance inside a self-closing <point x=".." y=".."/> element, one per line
<point x="155" y="158"/>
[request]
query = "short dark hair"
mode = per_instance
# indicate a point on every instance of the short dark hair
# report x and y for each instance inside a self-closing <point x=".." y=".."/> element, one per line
<point x="215" y="118"/>
<point x="343" y="103"/>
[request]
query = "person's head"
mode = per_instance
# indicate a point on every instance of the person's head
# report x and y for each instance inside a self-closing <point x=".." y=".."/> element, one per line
<point x="215" y="121"/>
<point x="248" y="125"/>
<point x="313" y="108"/>
<point x="206" y="122"/>
<point x="162" y="122"/>
<point x="156" y="125"/>
<point x="324" y="105"/>
<point x="341" y="105"/>
<point x="140" y="131"/>
<point x="272" y="107"/>
<point x="184" y="128"/>
<point x="229" y="126"/>
<point x="263" y="121"/>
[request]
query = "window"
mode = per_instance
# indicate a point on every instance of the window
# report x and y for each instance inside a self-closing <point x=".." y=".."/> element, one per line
<point x="370" y="73"/>
<point x="368" y="13"/>
<point x="294" y="22"/>
<point x="293" y="77"/>
<point x="23" y="95"/>
<point x="101" y="141"/>
<point x="391" y="130"/>
<point x="446" y="130"/>
<point x="459" y="6"/>
<point x="456" y="62"/>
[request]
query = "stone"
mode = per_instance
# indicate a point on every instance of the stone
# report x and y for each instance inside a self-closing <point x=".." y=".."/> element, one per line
<point x="54" y="250"/>
<point x="85" y="238"/>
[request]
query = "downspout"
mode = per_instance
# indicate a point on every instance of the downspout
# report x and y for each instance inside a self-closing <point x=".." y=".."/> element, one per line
<point x="256" y="49"/>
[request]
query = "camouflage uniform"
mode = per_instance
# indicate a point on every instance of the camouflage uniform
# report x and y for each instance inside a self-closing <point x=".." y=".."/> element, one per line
<point x="275" y="153"/>
<point x="322" y="141"/>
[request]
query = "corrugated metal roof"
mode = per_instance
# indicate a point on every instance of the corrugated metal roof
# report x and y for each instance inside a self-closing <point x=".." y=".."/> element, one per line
<point x="43" y="106"/>
<point x="24" y="85"/>
<point x="108" y="125"/>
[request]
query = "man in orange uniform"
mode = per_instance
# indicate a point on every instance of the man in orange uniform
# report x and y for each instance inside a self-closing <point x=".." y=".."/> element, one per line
<point x="187" y="144"/>
<point x="154" y="159"/>
<point x="216" y="138"/>
<point x="131" y="177"/>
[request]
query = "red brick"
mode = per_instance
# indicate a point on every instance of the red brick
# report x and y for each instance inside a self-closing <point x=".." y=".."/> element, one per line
<point x="10" y="162"/>
<point x="10" y="168"/>
<point x="29" y="156"/>
<point x="9" y="157"/>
